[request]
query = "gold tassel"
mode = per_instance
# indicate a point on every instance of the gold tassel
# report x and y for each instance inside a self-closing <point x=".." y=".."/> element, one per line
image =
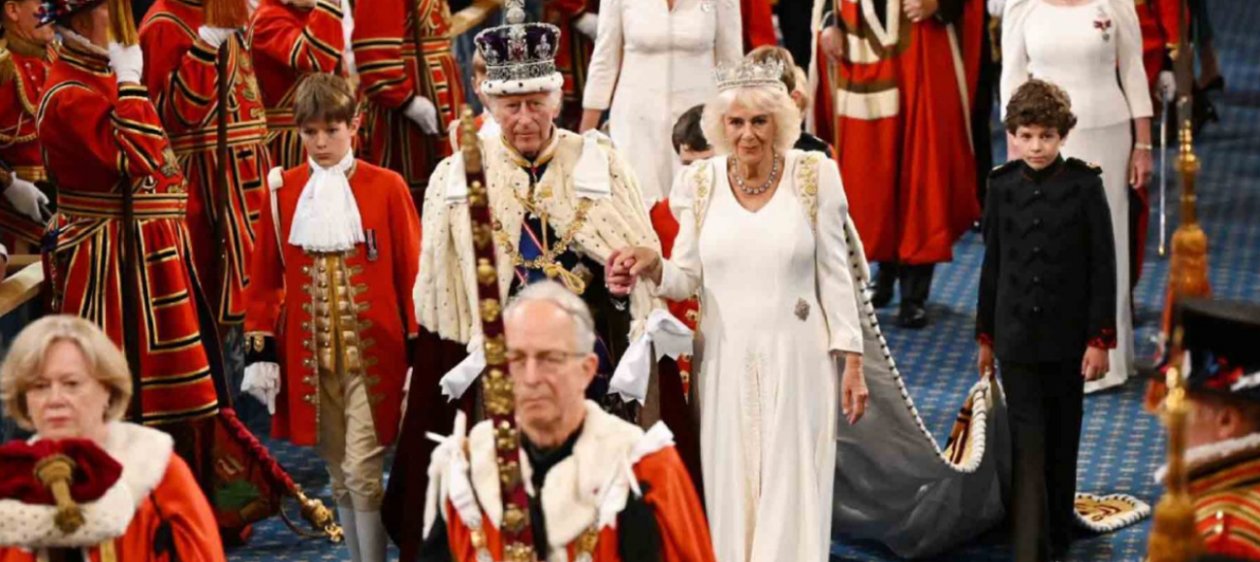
<point x="122" y="25"/>
<point x="230" y="14"/>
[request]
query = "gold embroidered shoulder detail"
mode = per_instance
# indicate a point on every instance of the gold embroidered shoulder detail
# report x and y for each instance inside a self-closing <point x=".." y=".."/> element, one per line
<point x="807" y="184"/>
<point x="702" y="181"/>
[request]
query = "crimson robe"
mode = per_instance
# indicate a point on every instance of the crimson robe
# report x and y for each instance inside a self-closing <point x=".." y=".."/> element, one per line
<point x="898" y="108"/>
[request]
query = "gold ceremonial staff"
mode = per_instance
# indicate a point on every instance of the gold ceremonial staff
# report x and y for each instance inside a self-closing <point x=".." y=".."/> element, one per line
<point x="1173" y="534"/>
<point x="1187" y="270"/>
<point x="518" y="535"/>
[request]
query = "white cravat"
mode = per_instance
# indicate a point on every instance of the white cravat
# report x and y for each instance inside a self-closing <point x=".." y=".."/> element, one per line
<point x="327" y="216"/>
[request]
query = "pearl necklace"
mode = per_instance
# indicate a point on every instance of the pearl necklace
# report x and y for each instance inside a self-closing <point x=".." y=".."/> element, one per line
<point x="739" y="177"/>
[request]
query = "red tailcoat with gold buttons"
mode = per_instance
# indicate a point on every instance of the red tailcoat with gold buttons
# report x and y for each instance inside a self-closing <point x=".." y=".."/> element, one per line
<point x="289" y="43"/>
<point x="99" y="138"/>
<point x="182" y="77"/>
<point x="1226" y="490"/>
<point x="23" y="71"/>
<point x="402" y="49"/>
<point x="295" y="294"/>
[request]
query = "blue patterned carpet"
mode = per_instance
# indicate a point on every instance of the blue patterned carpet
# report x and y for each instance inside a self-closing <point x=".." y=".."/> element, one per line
<point x="1121" y="444"/>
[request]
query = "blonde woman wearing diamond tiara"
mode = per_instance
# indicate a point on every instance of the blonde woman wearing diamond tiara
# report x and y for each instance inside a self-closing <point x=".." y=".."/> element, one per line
<point x="762" y="237"/>
<point x="654" y="60"/>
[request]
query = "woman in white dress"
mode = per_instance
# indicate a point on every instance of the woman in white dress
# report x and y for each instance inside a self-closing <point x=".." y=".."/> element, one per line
<point x="762" y="238"/>
<point x="1081" y="45"/>
<point x="653" y="60"/>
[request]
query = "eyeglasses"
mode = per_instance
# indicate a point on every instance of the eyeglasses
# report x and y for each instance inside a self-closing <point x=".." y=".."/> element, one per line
<point x="547" y="360"/>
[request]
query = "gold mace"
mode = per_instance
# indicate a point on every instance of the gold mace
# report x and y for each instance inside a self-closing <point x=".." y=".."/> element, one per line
<point x="56" y="472"/>
<point x="1187" y="269"/>
<point x="1173" y="534"/>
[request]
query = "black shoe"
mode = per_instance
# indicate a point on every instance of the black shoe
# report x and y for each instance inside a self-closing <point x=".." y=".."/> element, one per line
<point x="912" y="316"/>
<point x="881" y="296"/>
<point x="885" y="282"/>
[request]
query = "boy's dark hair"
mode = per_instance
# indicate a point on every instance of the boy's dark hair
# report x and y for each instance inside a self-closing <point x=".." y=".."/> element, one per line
<point x="1041" y="103"/>
<point x="766" y="53"/>
<point x="687" y="131"/>
<point x="324" y="97"/>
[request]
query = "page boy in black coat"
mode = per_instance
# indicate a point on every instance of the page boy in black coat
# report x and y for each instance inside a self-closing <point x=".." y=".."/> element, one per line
<point x="1046" y="309"/>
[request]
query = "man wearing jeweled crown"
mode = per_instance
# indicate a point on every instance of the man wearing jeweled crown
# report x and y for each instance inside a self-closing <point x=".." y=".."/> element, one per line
<point x="561" y="203"/>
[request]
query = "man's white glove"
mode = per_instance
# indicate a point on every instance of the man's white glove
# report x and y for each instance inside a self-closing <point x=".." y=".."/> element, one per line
<point x="421" y="111"/>
<point x="1166" y="85"/>
<point x="995" y="7"/>
<point x="26" y="198"/>
<point x="587" y="24"/>
<point x="347" y="33"/>
<point x="215" y="36"/>
<point x="127" y="62"/>
<point x="262" y="381"/>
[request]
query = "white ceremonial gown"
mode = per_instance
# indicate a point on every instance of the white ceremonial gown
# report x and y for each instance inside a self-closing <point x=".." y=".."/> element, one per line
<point x="775" y="298"/>
<point x="651" y="64"/>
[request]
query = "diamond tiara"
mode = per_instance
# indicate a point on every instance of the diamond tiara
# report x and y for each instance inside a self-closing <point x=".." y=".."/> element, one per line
<point x="748" y="74"/>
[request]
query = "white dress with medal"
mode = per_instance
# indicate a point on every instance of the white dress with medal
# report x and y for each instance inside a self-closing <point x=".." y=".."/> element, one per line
<point x="776" y="297"/>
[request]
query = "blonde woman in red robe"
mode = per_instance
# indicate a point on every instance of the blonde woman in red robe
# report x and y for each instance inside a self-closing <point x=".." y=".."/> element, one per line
<point x="67" y="381"/>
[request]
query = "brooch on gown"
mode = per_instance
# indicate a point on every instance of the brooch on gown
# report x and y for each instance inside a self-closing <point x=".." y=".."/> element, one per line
<point x="707" y="5"/>
<point x="1103" y="23"/>
<point x="802" y="309"/>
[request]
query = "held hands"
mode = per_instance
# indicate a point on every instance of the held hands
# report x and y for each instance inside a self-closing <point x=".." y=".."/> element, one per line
<point x="625" y="266"/>
<point x="423" y="113"/>
<point x="1095" y="364"/>
<point x="853" y="391"/>
<point x="127" y="62"/>
<point x="1140" y="166"/>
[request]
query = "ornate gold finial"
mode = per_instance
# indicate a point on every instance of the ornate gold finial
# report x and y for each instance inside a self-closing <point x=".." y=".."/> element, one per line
<point x="1173" y="534"/>
<point x="56" y="472"/>
<point x="469" y="143"/>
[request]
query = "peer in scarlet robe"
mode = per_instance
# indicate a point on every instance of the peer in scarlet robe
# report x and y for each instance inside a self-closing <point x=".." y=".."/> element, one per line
<point x="402" y="51"/>
<point x="100" y="137"/>
<point x="289" y="43"/>
<point x="610" y="493"/>
<point x="23" y="70"/>
<point x="898" y="108"/>
<point x="182" y="75"/>
<point x="154" y="512"/>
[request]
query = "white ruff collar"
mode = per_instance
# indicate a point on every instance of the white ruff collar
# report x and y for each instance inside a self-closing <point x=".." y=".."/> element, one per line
<point x="590" y="487"/>
<point x="1204" y="454"/>
<point x="143" y="453"/>
<point x="69" y="36"/>
<point x="327" y="215"/>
